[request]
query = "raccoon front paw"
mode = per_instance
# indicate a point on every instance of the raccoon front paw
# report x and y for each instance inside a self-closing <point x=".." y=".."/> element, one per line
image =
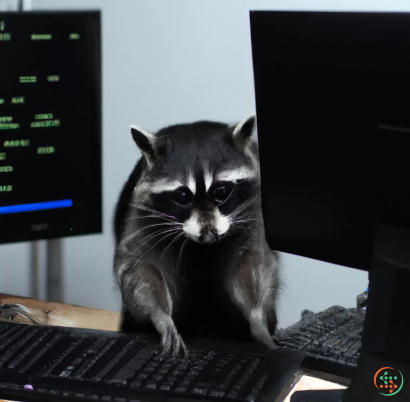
<point x="260" y="331"/>
<point x="171" y="340"/>
<point x="173" y="344"/>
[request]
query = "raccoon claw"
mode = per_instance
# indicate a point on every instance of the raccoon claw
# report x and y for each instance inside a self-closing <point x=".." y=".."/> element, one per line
<point x="172" y="343"/>
<point x="184" y="348"/>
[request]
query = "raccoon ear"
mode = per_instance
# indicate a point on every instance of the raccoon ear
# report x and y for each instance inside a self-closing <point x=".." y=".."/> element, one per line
<point x="244" y="130"/>
<point x="145" y="142"/>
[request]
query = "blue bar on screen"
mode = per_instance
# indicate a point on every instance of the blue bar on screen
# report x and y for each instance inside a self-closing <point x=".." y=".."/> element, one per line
<point x="38" y="206"/>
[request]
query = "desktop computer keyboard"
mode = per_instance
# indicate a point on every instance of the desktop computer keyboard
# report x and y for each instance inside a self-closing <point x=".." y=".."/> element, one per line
<point x="333" y="334"/>
<point x="60" y="363"/>
<point x="50" y="363"/>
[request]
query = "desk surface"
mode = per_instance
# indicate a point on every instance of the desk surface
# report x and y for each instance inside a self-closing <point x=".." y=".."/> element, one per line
<point x="64" y="315"/>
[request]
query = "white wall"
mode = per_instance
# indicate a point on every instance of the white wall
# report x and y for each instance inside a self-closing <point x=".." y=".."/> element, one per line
<point x="167" y="62"/>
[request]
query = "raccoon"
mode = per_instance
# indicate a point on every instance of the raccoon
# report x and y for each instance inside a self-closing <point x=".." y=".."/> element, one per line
<point x="191" y="257"/>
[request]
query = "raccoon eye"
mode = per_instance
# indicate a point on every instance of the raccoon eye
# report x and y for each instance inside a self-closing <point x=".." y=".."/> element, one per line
<point x="221" y="193"/>
<point x="182" y="196"/>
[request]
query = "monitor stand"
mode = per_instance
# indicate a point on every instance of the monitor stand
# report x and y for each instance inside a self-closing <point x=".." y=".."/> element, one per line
<point x="386" y="333"/>
<point x="54" y="271"/>
<point x="55" y="290"/>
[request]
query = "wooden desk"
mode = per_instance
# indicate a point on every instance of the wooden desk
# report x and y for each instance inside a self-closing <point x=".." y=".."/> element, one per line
<point x="64" y="315"/>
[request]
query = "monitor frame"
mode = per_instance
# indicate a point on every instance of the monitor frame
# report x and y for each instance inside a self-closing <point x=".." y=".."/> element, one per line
<point x="387" y="325"/>
<point x="30" y="226"/>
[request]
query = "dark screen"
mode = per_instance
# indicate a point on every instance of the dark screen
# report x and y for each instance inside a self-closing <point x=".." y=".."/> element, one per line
<point x="332" y="96"/>
<point x="50" y="125"/>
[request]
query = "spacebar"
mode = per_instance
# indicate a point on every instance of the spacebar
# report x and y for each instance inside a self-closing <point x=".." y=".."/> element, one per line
<point x="133" y="365"/>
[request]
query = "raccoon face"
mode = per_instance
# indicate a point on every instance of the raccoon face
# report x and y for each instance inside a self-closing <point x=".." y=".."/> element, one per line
<point x="203" y="176"/>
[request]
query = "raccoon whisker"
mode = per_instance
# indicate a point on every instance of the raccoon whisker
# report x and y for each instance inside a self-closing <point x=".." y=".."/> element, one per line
<point x="246" y="211"/>
<point x="250" y="232"/>
<point x="178" y="236"/>
<point x="148" y="238"/>
<point x="155" y="234"/>
<point x="157" y="224"/>
<point x="162" y="238"/>
<point x="246" y="220"/>
<point x="179" y="259"/>
<point x="245" y="205"/>
<point x="158" y="216"/>
<point x="153" y="211"/>
<point x="241" y="214"/>
<point x="161" y="230"/>
<point x="152" y="216"/>
<point x="240" y="219"/>
<point x="135" y="233"/>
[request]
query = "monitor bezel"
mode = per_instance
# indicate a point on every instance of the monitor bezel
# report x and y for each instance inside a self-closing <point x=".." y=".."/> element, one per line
<point x="94" y="225"/>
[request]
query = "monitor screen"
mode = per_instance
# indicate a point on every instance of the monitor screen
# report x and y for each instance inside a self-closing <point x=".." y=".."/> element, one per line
<point x="50" y="125"/>
<point x="332" y="100"/>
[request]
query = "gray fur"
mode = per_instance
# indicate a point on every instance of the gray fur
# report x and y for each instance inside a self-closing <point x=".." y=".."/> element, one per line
<point x="161" y="243"/>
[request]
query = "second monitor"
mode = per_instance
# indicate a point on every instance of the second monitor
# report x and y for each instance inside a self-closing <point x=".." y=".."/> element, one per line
<point x="50" y="125"/>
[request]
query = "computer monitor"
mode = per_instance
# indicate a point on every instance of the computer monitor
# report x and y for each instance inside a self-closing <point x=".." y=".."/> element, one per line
<point x="50" y="125"/>
<point x="332" y="100"/>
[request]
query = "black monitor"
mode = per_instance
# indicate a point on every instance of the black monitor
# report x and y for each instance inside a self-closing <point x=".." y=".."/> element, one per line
<point x="50" y="125"/>
<point x="333" y="110"/>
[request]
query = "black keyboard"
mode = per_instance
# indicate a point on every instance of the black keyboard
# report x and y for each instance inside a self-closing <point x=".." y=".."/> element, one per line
<point x="55" y="362"/>
<point x="334" y="334"/>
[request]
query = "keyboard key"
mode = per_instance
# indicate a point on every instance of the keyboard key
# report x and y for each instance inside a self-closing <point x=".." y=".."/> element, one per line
<point x="200" y="391"/>
<point x="165" y="387"/>
<point x="40" y="358"/>
<point x="103" y="358"/>
<point x="16" y="347"/>
<point x="170" y="380"/>
<point x="146" y="352"/>
<point x="6" y="343"/>
<point x="29" y="349"/>
<point x="152" y="384"/>
<point x="127" y="372"/>
<point x="205" y="385"/>
<point x="218" y="394"/>
<point x="142" y="376"/>
<point x="117" y="359"/>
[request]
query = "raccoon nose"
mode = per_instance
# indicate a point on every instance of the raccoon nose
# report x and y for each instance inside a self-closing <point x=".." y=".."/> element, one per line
<point x="208" y="237"/>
